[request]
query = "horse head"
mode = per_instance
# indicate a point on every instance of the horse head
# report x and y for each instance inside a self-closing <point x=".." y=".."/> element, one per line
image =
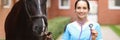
<point x="36" y="10"/>
<point x="27" y="20"/>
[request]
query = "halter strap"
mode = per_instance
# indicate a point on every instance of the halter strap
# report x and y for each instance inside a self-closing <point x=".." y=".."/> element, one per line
<point x="43" y="17"/>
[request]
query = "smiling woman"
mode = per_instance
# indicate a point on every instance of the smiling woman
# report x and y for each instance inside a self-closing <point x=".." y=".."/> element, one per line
<point x="82" y="28"/>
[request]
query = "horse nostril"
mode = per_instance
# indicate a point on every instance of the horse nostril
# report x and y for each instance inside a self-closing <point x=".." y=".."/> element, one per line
<point x="38" y="29"/>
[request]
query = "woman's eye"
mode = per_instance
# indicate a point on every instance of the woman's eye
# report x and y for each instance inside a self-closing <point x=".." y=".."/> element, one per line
<point x="84" y="8"/>
<point x="78" y="7"/>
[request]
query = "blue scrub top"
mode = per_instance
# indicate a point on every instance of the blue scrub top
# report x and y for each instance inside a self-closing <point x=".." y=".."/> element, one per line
<point x="73" y="31"/>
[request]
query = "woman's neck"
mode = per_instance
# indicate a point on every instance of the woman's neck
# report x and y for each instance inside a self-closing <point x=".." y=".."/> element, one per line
<point x="82" y="21"/>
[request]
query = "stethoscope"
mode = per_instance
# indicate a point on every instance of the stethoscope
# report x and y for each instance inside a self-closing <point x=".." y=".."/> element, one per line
<point x="90" y="26"/>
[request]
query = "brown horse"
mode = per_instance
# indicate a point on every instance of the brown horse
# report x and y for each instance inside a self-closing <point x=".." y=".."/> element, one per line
<point x="27" y="21"/>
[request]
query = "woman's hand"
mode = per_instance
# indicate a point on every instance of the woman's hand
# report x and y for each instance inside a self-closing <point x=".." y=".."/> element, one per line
<point x="94" y="34"/>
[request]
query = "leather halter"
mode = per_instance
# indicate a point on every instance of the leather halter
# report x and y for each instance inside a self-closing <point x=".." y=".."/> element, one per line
<point x="41" y="16"/>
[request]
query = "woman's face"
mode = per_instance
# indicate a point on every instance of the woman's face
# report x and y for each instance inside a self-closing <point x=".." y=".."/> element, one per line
<point x="81" y="9"/>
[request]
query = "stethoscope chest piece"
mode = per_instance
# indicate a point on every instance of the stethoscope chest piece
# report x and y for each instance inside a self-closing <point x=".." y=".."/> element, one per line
<point x="90" y="25"/>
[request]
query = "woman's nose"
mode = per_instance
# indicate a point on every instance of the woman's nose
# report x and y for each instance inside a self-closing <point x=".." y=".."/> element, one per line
<point x="81" y="10"/>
